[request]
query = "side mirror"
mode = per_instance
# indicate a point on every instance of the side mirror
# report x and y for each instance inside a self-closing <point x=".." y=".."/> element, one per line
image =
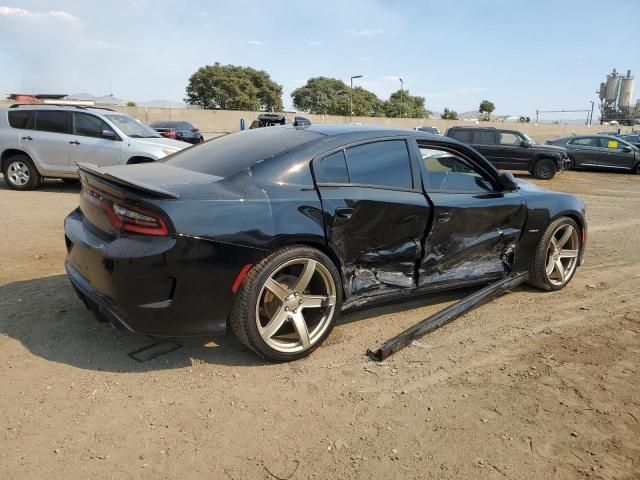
<point x="108" y="134"/>
<point x="525" y="144"/>
<point x="507" y="181"/>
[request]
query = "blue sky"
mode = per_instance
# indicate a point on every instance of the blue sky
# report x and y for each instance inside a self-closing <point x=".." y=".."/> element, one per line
<point x="521" y="55"/>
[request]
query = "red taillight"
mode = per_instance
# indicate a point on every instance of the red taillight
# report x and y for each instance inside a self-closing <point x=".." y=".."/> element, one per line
<point x="170" y="134"/>
<point x="126" y="217"/>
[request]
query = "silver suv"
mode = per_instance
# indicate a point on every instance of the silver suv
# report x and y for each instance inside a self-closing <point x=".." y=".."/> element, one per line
<point x="45" y="141"/>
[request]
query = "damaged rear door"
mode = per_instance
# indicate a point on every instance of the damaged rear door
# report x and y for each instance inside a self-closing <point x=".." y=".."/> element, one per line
<point x="375" y="214"/>
<point x="476" y="225"/>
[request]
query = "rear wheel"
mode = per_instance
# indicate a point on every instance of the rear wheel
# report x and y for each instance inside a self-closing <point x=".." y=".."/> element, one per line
<point x="287" y="304"/>
<point x="544" y="169"/>
<point x="20" y="173"/>
<point x="556" y="257"/>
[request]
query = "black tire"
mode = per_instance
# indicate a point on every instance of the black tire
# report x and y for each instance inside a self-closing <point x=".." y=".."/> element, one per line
<point x="537" y="272"/>
<point x="243" y="316"/>
<point x="71" y="181"/>
<point x="571" y="164"/>
<point x="636" y="169"/>
<point x="545" y="169"/>
<point x="28" y="178"/>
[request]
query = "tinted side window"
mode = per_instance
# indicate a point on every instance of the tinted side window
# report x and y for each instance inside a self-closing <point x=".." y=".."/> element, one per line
<point x="380" y="163"/>
<point x="53" y="121"/>
<point x="483" y="137"/>
<point x="24" y="119"/>
<point x="186" y="126"/>
<point x="333" y="169"/>
<point x="446" y="172"/>
<point x="463" y="136"/>
<point x="88" y="125"/>
<point x="586" y="142"/>
<point x="507" y="138"/>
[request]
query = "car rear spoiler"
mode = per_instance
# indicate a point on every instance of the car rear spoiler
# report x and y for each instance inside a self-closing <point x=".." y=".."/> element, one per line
<point x="127" y="182"/>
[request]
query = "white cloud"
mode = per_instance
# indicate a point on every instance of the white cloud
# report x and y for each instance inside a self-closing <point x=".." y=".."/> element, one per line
<point x="367" y="33"/>
<point x="51" y="14"/>
<point x="363" y="59"/>
<point x="314" y="43"/>
<point x="255" y="42"/>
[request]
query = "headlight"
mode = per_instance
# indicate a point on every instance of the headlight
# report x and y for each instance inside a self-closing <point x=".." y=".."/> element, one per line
<point x="168" y="151"/>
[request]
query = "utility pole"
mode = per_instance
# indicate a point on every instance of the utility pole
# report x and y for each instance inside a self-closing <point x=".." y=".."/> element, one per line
<point x="401" y="95"/>
<point x="351" y="98"/>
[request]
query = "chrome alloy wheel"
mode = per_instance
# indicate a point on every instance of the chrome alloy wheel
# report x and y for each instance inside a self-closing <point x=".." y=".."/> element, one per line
<point x="296" y="305"/>
<point x="18" y="173"/>
<point x="562" y="254"/>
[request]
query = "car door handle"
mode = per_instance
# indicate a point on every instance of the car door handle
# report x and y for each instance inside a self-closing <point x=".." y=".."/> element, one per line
<point x="444" y="217"/>
<point x="345" y="213"/>
<point x="74" y="142"/>
<point x="27" y="138"/>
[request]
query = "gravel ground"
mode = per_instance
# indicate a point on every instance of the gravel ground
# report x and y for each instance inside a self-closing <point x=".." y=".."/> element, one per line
<point x="533" y="385"/>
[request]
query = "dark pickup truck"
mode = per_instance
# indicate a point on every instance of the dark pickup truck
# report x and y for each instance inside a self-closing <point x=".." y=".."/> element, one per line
<point x="513" y="150"/>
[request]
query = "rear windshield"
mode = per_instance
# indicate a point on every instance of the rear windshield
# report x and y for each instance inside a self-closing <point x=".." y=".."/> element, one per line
<point x="164" y="124"/>
<point x="225" y="156"/>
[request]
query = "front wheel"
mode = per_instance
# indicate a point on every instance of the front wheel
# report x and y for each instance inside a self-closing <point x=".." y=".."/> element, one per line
<point x="287" y="304"/>
<point x="544" y="169"/>
<point x="556" y="257"/>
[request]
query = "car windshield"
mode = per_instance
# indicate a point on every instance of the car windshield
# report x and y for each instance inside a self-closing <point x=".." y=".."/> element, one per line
<point x="132" y="127"/>
<point x="528" y="138"/>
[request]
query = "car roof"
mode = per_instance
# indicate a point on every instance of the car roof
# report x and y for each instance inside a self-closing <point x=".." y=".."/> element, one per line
<point x="69" y="108"/>
<point x="365" y="131"/>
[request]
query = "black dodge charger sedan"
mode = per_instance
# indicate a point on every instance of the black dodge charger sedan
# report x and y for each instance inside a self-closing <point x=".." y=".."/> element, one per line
<point x="274" y="232"/>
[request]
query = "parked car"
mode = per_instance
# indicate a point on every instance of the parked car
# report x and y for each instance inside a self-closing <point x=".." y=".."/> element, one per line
<point x="432" y="130"/>
<point x="276" y="119"/>
<point x="513" y="150"/>
<point x="47" y="141"/>
<point x="275" y="231"/>
<point x="178" y="130"/>
<point x="632" y="138"/>
<point x="600" y="151"/>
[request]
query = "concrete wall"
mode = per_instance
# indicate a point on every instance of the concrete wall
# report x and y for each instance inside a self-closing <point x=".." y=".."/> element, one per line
<point x="218" y="122"/>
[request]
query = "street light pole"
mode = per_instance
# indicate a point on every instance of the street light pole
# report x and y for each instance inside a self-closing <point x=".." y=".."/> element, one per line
<point x="351" y="98"/>
<point x="401" y="96"/>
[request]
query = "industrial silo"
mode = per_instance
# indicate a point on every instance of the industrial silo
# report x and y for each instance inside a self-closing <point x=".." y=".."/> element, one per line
<point x="611" y="91"/>
<point x="626" y="91"/>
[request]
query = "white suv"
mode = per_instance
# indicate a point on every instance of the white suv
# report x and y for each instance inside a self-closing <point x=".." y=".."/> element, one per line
<point x="46" y="141"/>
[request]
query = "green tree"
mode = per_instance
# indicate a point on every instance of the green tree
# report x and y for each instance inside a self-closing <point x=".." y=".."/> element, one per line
<point x="366" y="103"/>
<point x="486" y="107"/>
<point x="232" y="87"/>
<point x="401" y="102"/>
<point x="330" y="96"/>
<point x="449" y="114"/>
<point x="131" y="104"/>
<point x="323" y="96"/>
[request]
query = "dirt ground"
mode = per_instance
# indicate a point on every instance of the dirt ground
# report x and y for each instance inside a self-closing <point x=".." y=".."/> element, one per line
<point x="533" y="385"/>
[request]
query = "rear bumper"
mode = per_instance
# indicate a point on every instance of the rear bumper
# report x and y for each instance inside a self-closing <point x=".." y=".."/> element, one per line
<point x="162" y="286"/>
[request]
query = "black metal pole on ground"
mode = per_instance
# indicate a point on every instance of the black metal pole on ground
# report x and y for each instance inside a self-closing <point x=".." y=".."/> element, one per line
<point x="446" y="315"/>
